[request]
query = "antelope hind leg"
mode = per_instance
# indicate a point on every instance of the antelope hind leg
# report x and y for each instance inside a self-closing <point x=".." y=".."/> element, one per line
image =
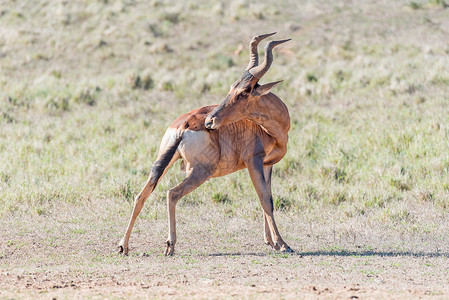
<point x="255" y="168"/>
<point x="198" y="175"/>
<point x="267" y="171"/>
<point x="267" y="236"/>
<point x="139" y="202"/>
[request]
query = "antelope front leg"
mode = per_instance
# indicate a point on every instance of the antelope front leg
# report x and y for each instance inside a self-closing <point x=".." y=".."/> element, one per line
<point x="255" y="169"/>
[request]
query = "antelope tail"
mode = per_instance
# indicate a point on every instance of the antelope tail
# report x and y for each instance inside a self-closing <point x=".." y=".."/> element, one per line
<point x="167" y="156"/>
<point x="164" y="160"/>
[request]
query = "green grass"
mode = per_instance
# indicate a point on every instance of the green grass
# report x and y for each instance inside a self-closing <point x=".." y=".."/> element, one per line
<point x="85" y="100"/>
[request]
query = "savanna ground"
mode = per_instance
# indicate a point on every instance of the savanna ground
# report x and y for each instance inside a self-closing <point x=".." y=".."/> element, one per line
<point x="87" y="89"/>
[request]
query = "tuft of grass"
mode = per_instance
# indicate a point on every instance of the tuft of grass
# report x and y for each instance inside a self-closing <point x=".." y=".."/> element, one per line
<point x="425" y="196"/>
<point x="401" y="216"/>
<point x="170" y="17"/>
<point x="400" y="184"/>
<point x="441" y="3"/>
<point x="141" y="81"/>
<point x="415" y="5"/>
<point x="126" y="191"/>
<point x="311" y="77"/>
<point x="220" y="198"/>
<point x="339" y="174"/>
<point x="87" y="96"/>
<point x="58" y="103"/>
<point x="311" y="193"/>
<point x="287" y="166"/>
<point x="167" y="86"/>
<point x="338" y="197"/>
<point x="282" y="203"/>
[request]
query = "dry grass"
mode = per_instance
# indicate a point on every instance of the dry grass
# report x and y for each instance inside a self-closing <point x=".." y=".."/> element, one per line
<point x="87" y="89"/>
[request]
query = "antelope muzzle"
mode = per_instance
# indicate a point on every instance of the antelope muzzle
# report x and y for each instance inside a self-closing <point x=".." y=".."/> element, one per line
<point x="211" y="123"/>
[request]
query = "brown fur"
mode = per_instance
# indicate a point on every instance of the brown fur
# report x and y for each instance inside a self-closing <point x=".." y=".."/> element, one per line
<point x="193" y="120"/>
<point x="249" y="129"/>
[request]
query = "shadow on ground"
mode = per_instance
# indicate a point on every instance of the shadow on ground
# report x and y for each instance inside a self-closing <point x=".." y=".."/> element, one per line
<point x="341" y="253"/>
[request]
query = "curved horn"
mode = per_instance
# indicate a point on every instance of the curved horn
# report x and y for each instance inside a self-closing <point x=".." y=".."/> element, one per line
<point x="253" y="56"/>
<point x="259" y="71"/>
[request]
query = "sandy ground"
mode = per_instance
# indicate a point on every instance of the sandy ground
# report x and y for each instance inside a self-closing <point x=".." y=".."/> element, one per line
<point x="49" y="259"/>
<point x="325" y="276"/>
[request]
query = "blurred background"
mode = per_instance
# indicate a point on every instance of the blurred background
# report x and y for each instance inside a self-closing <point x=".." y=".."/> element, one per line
<point x="87" y="89"/>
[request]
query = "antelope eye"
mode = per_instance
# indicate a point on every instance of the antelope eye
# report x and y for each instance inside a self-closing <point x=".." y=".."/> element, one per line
<point x="243" y="94"/>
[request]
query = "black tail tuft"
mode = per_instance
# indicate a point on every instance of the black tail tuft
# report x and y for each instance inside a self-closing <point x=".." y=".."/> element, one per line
<point x="162" y="162"/>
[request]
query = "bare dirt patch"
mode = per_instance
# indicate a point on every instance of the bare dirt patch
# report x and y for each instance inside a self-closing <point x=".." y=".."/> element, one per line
<point x="215" y="259"/>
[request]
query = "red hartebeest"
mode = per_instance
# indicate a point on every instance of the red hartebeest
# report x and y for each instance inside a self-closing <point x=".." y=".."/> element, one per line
<point x="249" y="129"/>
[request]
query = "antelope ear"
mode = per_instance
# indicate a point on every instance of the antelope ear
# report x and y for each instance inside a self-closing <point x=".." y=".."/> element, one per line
<point x="266" y="88"/>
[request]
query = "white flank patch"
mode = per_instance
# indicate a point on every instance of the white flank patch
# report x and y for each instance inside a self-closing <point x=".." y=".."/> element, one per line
<point x="193" y="144"/>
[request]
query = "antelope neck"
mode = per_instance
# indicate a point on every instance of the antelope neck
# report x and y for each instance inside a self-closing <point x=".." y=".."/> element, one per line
<point x="270" y="113"/>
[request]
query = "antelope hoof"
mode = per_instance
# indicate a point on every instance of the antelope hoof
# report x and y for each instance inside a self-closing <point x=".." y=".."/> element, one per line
<point x="286" y="249"/>
<point x="122" y="249"/>
<point x="269" y="243"/>
<point x="170" y="250"/>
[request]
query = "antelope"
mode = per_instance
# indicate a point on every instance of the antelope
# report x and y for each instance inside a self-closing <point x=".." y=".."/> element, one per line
<point x="249" y="129"/>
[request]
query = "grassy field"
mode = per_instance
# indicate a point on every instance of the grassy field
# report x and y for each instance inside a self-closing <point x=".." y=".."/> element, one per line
<point x="87" y="89"/>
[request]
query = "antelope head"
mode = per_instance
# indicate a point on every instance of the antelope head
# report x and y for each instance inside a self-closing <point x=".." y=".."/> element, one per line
<point x="246" y="90"/>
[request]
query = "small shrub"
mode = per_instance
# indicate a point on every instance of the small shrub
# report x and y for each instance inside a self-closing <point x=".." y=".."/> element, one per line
<point x="58" y="103"/>
<point x="311" y="193"/>
<point x="312" y="149"/>
<point x="441" y="3"/>
<point x="147" y="82"/>
<point x="282" y="203"/>
<point x="425" y="196"/>
<point x="338" y="197"/>
<point x="399" y="184"/>
<point x="7" y="118"/>
<point x="173" y="18"/>
<point x="134" y="81"/>
<point x="258" y="15"/>
<point x="86" y="96"/>
<point x="155" y="30"/>
<point x="401" y="216"/>
<point x="379" y="200"/>
<point x="414" y="5"/>
<point x="160" y="48"/>
<point x="220" y="198"/>
<point x="141" y="81"/>
<point x="205" y="88"/>
<point x="341" y="76"/>
<point x="102" y="43"/>
<point x="440" y="79"/>
<point x="442" y="202"/>
<point x="56" y="74"/>
<point x="340" y="175"/>
<point x="126" y="191"/>
<point x="311" y="77"/>
<point x="167" y="86"/>
<point x="337" y="173"/>
<point x="5" y="177"/>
